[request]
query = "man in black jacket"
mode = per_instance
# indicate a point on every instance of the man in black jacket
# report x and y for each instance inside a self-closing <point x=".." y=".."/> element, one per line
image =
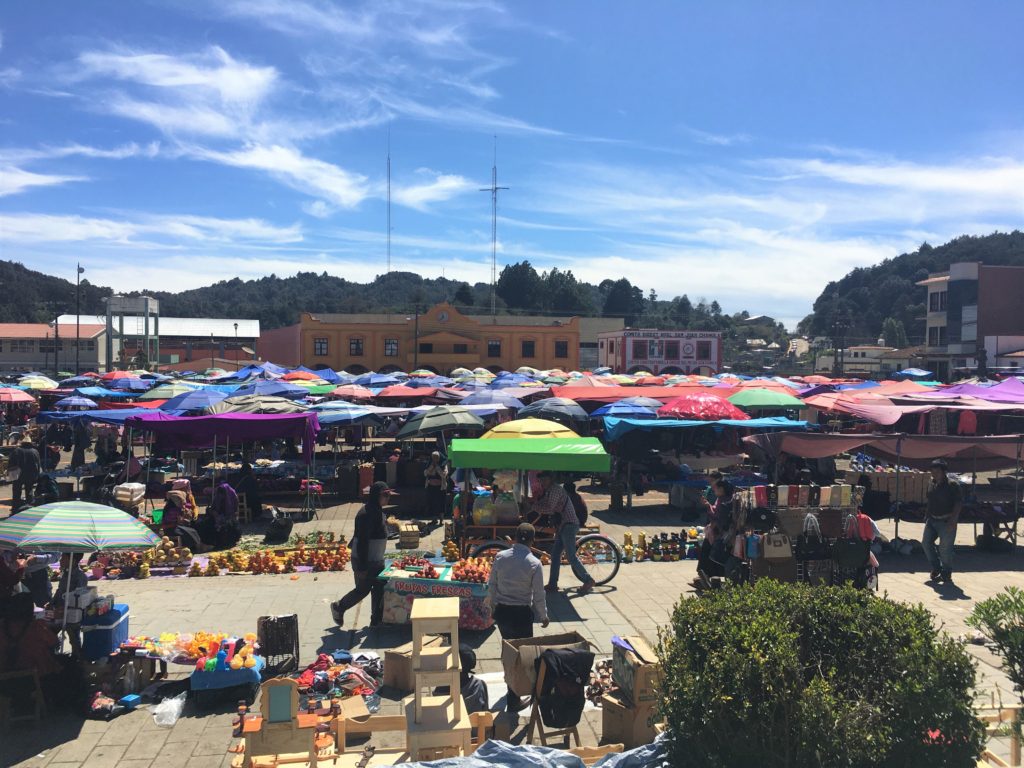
<point x="25" y="459"/>
<point x="368" y="546"/>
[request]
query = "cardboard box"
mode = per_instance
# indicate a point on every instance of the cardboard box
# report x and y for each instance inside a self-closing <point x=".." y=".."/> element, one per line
<point x="622" y="723"/>
<point x="638" y="675"/>
<point x="398" y="665"/>
<point x="518" y="657"/>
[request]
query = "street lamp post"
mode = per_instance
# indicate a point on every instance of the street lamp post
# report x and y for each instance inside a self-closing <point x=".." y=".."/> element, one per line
<point x="79" y="269"/>
<point x="236" y="347"/>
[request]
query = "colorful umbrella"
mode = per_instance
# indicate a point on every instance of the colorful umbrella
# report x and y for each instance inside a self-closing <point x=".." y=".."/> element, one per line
<point x="555" y="408"/>
<point x="622" y="410"/>
<point x="37" y="382"/>
<point x="12" y="395"/>
<point x="440" y="419"/>
<point x="75" y="526"/>
<point x="529" y="428"/>
<point x="301" y="376"/>
<point x="492" y="397"/>
<point x="111" y="375"/>
<point x="75" y="401"/>
<point x="703" y="406"/>
<point x="353" y="391"/>
<point x="765" y="398"/>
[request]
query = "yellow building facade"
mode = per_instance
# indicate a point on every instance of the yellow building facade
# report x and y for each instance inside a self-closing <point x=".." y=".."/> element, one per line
<point x="440" y="339"/>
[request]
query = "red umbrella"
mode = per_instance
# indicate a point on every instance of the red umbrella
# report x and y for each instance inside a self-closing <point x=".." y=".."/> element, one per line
<point x="401" y="390"/>
<point x="650" y="381"/>
<point x="703" y="406"/>
<point x="111" y="375"/>
<point x="13" y="395"/>
<point x="352" y="391"/>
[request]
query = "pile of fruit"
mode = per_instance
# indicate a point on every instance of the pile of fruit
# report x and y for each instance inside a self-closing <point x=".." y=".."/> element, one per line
<point x="450" y="551"/>
<point x="472" y="569"/>
<point x="423" y="568"/>
<point x="263" y="562"/>
<point x="166" y="555"/>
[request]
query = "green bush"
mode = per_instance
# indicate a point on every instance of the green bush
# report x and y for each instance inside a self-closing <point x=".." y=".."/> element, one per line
<point x="1001" y="619"/>
<point x="797" y="676"/>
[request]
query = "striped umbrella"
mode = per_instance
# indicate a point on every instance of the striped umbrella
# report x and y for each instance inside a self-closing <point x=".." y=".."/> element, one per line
<point x="74" y="526"/>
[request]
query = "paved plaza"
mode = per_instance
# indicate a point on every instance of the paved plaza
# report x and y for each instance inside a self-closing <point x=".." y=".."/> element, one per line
<point x="639" y="601"/>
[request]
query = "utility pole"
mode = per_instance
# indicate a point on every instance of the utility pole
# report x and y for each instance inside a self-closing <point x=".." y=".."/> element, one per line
<point x="389" y="200"/>
<point x="494" y="189"/>
<point x="237" y="366"/>
<point x="416" y="340"/>
<point x="78" y="318"/>
<point x="56" y="341"/>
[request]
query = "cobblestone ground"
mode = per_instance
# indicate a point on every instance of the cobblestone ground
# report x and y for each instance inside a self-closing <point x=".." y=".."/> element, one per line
<point x="639" y="601"/>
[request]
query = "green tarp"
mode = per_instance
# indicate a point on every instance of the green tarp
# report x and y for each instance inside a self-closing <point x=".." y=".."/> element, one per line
<point x="573" y="454"/>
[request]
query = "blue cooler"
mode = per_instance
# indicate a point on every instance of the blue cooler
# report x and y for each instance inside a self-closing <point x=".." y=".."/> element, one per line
<point x="103" y="635"/>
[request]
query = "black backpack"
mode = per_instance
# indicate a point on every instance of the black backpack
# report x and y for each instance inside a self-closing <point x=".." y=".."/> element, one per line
<point x="279" y="530"/>
<point x="578" y="504"/>
<point x="566" y="677"/>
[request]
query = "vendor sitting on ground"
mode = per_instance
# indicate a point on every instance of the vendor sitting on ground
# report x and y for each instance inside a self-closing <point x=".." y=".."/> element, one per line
<point x="473" y="689"/>
<point x="176" y="511"/>
<point x="218" y="528"/>
<point x="250" y="486"/>
<point x="26" y="643"/>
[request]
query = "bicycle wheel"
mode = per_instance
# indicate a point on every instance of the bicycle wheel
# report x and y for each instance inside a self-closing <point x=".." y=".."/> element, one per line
<point x="599" y="556"/>
<point x="489" y="549"/>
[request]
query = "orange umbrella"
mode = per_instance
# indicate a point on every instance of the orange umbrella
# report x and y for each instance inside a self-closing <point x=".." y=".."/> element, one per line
<point x="300" y="376"/>
<point x="111" y="375"/>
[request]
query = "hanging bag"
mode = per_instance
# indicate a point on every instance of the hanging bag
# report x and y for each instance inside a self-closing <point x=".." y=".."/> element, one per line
<point x="851" y="551"/>
<point x="753" y="546"/>
<point x="777" y="546"/>
<point x="811" y="545"/>
<point x="761" y="519"/>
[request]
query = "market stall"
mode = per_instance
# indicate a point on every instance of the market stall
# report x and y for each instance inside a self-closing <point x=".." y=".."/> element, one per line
<point x="408" y="578"/>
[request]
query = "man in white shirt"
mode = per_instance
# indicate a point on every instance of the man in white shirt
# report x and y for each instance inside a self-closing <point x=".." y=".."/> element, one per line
<point x="516" y="593"/>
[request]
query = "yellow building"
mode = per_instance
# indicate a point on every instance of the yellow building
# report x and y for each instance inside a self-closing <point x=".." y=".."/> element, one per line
<point x="440" y="339"/>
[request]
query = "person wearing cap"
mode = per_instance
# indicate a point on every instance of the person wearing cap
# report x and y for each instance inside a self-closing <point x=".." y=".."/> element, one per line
<point x="516" y="594"/>
<point x="369" y="543"/>
<point x="555" y="502"/>
<point x="943" y="512"/>
<point x="472" y="688"/>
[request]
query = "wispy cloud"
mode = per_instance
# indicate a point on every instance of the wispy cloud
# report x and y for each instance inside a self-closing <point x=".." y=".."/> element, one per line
<point x="444" y="186"/>
<point x="715" y="139"/>
<point x="14" y="180"/>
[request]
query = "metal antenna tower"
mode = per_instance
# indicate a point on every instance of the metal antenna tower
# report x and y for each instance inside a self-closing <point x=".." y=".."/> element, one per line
<point x="494" y="189"/>
<point x="389" y="199"/>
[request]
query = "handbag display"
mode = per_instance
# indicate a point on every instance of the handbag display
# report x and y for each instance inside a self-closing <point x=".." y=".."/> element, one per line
<point x="760" y="495"/>
<point x="851" y="551"/>
<point x="814" y="496"/>
<point x="738" y="547"/>
<point x="777" y="546"/>
<point x="810" y="544"/>
<point x="761" y="519"/>
<point x="783" y="496"/>
<point x="753" y="546"/>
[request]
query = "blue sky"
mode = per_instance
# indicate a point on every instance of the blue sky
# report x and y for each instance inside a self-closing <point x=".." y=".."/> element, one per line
<point x="744" y="151"/>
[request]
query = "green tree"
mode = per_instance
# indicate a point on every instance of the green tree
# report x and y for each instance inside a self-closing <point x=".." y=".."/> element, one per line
<point x="624" y="300"/>
<point x="894" y="334"/>
<point x="520" y="287"/>
<point x="564" y="293"/>
<point x="790" y="675"/>
<point x="463" y="296"/>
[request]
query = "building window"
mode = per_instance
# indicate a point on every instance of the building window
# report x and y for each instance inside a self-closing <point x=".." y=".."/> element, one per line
<point x="320" y="347"/>
<point x="602" y="343"/>
<point x="671" y="350"/>
<point x="529" y="347"/>
<point x="23" y="346"/>
<point x="561" y="348"/>
<point x="703" y="350"/>
<point x="390" y="347"/>
<point x="494" y="347"/>
<point x="426" y="348"/>
<point x="611" y="346"/>
<point x="937" y="301"/>
<point x="355" y="346"/>
<point x="460" y="349"/>
<point x="639" y="350"/>
<point x="937" y="336"/>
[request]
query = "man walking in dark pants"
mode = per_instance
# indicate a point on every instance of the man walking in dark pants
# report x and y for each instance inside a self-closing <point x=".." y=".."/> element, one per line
<point x="25" y="459"/>
<point x="368" y="545"/>
<point x="940" y="523"/>
<point x="516" y="594"/>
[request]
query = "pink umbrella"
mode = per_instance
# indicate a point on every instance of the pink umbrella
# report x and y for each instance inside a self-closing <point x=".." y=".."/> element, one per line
<point x="702" y="406"/>
<point x="12" y="395"/>
<point x="352" y="392"/>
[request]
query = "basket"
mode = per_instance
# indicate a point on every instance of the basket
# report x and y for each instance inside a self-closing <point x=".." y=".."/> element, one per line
<point x="278" y="638"/>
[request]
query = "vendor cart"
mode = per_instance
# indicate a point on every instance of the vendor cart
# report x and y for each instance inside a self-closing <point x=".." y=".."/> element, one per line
<point x="599" y="554"/>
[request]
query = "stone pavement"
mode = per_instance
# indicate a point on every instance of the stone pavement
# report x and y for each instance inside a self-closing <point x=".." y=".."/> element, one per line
<point x="639" y="601"/>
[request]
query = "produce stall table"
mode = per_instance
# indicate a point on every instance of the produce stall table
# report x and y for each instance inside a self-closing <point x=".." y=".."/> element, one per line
<point x="402" y="587"/>
<point x="211" y="687"/>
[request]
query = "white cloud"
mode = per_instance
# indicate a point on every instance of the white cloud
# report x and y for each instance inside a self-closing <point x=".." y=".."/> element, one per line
<point x="14" y="180"/>
<point x="715" y="139"/>
<point x="420" y="196"/>
<point x="12" y="155"/>
<point x="140" y="230"/>
<point x="291" y="167"/>
<point x="318" y="208"/>
<point x="213" y="70"/>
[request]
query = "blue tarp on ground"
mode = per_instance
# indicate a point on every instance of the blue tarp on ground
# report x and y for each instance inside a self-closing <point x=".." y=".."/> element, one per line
<point x="615" y="428"/>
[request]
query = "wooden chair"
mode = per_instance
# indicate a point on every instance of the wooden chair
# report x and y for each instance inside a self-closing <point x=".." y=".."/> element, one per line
<point x="244" y="512"/>
<point x="536" y="721"/>
<point x="38" y="709"/>
<point x="482" y="722"/>
<point x="280" y="732"/>
<point x="996" y="722"/>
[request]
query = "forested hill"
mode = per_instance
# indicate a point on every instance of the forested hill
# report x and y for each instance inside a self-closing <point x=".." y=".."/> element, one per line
<point x="866" y="297"/>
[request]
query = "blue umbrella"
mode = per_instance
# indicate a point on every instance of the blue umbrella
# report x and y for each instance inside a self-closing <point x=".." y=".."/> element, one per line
<point x="76" y="381"/>
<point x="643" y="402"/>
<point x="555" y="408"/>
<point x="74" y="401"/>
<point x="136" y="385"/>
<point x="375" y="380"/>
<point x="271" y="388"/>
<point x="196" y="400"/>
<point x="622" y="410"/>
<point x="492" y="397"/>
<point x="512" y="380"/>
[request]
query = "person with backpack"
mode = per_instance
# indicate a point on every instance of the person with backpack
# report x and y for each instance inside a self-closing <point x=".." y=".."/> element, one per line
<point x="556" y="503"/>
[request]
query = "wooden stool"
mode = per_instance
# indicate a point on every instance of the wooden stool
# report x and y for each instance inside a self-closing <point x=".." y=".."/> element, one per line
<point x="38" y="709"/>
<point x="244" y="513"/>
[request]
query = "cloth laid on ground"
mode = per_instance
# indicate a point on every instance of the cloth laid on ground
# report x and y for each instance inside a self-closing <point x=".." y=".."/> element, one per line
<point x="500" y="753"/>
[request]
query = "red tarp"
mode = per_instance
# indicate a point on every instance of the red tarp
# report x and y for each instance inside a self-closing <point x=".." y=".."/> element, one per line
<point x="613" y="394"/>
